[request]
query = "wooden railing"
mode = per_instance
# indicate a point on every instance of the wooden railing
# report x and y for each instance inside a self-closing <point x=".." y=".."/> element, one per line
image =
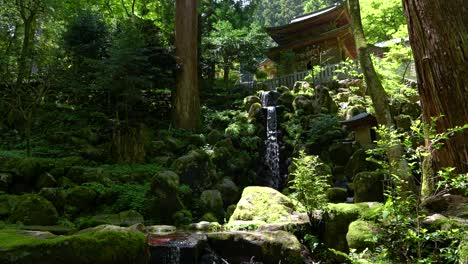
<point x="326" y="75"/>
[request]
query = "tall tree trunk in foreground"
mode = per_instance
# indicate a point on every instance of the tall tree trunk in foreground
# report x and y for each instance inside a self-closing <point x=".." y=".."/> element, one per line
<point x="377" y="93"/>
<point x="439" y="38"/>
<point x="187" y="102"/>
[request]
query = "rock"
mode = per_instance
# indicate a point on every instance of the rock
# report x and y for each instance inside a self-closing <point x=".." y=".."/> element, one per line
<point x="411" y="109"/>
<point x="323" y="100"/>
<point x="357" y="163"/>
<point x="211" y="201"/>
<point x="29" y="169"/>
<point x="282" y="89"/>
<point x="265" y="247"/>
<point x="195" y="170"/>
<point x="175" y="145"/>
<point x="33" y="209"/>
<point x="104" y="246"/>
<point x="432" y="219"/>
<point x="205" y="226"/>
<point x="334" y="224"/>
<point x="37" y="234"/>
<point x="229" y="211"/>
<point x="337" y="195"/>
<point x="254" y="110"/>
<point x="286" y="99"/>
<point x="264" y="204"/>
<point x="403" y="122"/>
<point x="209" y="217"/>
<point x="214" y="136"/>
<point x="7" y="204"/>
<point x="5" y="180"/>
<point x="340" y="153"/>
<point x="182" y="217"/>
<point x="161" y="229"/>
<point x="229" y="191"/>
<point x="163" y="199"/>
<point x="303" y="103"/>
<point x="81" y="175"/>
<point x="176" y="248"/>
<point x="126" y="218"/>
<point x="361" y="235"/>
<point x="250" y="100"/>
<point x="56" y="196"/>
<point x="301" y="87"/>
<point x="198" y="140"/>
<point x="46" y="180"/>
<point x="354" y="111"/>
<point x="239" y="225"/>
<point x="55" y="229"/>
<point x="342" y="96"/>
<point x="81" y="197"/>
<point x="368" y="187"/>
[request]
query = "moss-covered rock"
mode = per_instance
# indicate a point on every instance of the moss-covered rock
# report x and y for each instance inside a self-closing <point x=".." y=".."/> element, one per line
<point x="244" y="225"/>
<point x="182" y="217"/>
<point x="254" y="110"/>
<point x="33" y="209"/>
<point x="214" y="136"/>
<point x="56" y="196"/>
<point x="361" y="235"/>
<point x="286" y="99"/>
<point x="301" y="86"/>
<point x="104" y="245"/>
<point x="81" y="197"/>
<point x="211" y="201"/>
<point x="250" y="100"/>
<point x="125" y="218"/>
<point x="337" y="195"/>
<point x="163" y="199"/>
<point x="229" y="190"/>
<point x="303" y="103"/>
<point x="264" y="204"/>
<point x="209" y="217"/>
<point x="265" y="247"/>
<point x="368" y="187"/>
<point x="195" y="169"/>
<point x="334" y="225"/>
<point x="7" y="204"/>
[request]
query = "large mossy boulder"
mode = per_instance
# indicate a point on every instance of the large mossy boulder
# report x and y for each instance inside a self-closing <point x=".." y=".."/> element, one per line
<point x="7" y="204"/>
<point x="368" y="187"/>
<point x="211" y="201"/>
<point x="264" y="247"/>
<point x="286" y="99"/>
<point x="33" y="209"/>
<point x="303" y="103"/>
<point x="229" y="191"/>
<point x="250" y="100"/>
<point x="195" y="169"/>
<point x="263" y="204"/>
<point x="81" y="198"/>
<point x="361" y="235"/>
<point x="335" y="223"/>
<point x="163" y="197"/>
<point x="104" y="245"/>
<point x="337" y="195"/>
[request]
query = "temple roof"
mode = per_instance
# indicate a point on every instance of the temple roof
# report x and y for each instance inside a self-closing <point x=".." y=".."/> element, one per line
<point x="316" y="28"/>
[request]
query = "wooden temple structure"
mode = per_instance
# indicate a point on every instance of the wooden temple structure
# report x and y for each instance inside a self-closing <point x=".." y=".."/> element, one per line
<point x="322" y="38"/>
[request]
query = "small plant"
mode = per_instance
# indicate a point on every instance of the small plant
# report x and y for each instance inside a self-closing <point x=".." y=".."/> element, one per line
<point x="310" y="182"/>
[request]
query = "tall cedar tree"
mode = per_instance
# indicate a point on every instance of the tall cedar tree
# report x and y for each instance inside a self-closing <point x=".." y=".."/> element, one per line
<point x="438" y="33"/>
<point x="379" y="97"/>
<point x="187" y="101"/>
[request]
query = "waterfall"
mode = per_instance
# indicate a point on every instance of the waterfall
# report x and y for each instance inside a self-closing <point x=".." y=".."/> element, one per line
<point x="271" y="142"/>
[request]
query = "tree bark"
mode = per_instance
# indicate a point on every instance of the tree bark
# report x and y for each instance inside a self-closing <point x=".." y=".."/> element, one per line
<point x="379" y="97"/>
<point x="438" y="33"/>
<point x="187" y="101"/>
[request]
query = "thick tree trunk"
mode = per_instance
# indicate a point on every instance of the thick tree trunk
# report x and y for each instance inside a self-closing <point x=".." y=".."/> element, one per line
<point x="379" y="97"/>
<point x="438" y="32"/>
<point x="187" y="101"/>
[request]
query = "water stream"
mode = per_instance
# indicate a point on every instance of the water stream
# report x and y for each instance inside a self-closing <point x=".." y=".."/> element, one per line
<point x="271" y="143"/>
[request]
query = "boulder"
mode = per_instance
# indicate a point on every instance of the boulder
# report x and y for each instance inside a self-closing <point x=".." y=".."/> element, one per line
<point x="264" y="247"/>
<point x="334" y="224"/>
<point x="195" y="169"/>
<point x="264" y="204"/>
<point x="7" y="204"/>
<point x="357" y="163"/>
<point x="211" y="201"/>
<point x="254" y="110"/>
<point x="205" y="226"/>
<point x="303" y="103"/>
<point x="33" y="209"/>
<point x="82" y="198"/>
<point x="198" y="140"/>
<point x="368" y="187"/>
<point x="361" y="235"/>
<point x="214" y="136"/>
<point x="403" y="122"/>
<point x="101" y="245"/>
<point x="125" y="218"/>
<point x="56" y="196"/>
<point x="340" y="153"/>
<point x="163" y="199"/>
<point x="5" y="180"/>
<point x="250" y="100"/>
<point x="323" y="101"/>
<point x="46" y="180"/>
<point x="337" y="195"/>
<point x="301" y="86"/>
<point x="229" y="191"/>
<point x="286" y="99"/>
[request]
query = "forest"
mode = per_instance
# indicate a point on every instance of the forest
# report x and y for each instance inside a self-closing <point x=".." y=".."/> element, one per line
<point x="233" y="131"/>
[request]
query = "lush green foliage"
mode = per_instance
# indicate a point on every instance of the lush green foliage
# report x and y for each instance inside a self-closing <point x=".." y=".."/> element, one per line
<point x="310" y="182"/>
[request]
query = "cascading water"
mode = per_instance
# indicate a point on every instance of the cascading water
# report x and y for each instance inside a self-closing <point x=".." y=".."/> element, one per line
<point x="272" y="146"/>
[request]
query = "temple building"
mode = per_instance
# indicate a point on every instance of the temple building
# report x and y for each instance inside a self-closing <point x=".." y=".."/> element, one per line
<point x="323" y="37"/>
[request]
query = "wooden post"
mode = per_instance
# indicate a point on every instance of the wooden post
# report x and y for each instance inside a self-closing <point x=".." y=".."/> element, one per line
<point x="186" y="102"/>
